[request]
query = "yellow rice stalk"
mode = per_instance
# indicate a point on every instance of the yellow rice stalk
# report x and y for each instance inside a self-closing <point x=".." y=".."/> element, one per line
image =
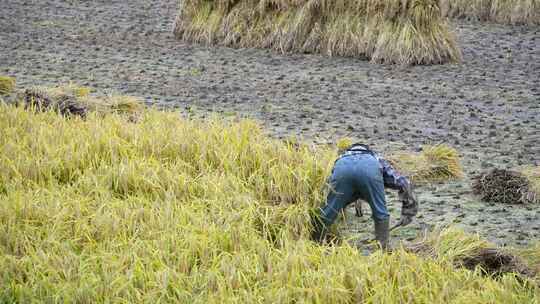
<point x="124" y="104"/>
<point x="119" y="104"/>
<point x="396" y="31"/>
<point x="65" y="89"/>
<point x="451" y="244"/>
<point x="532" y="173"/>
<point x="501" y="11"/>
<point x="531" y="255"/>
<point x="7" y="85"/>
<point x="344" y="143"/>
<point x="471" y="252"/>
<point x="434" y="163"/>
<point x="191" y="211"/>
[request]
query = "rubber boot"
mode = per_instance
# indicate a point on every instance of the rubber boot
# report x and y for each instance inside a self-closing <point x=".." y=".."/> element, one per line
<point x="382" y="232"/>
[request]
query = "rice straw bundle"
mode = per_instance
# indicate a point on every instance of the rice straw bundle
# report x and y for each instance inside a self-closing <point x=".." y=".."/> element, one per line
<point x="509" y="187"/>
<point x="434" y="164"/>
<point x="7" y="85"/>
<point x="386" y="31"/>
<point x="501" y="11"/>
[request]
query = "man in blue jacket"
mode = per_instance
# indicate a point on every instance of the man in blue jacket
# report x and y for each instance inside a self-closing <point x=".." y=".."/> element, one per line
<point x="359" y="173"/>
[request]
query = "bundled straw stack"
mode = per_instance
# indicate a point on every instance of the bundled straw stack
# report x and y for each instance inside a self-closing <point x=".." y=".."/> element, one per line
<point x="386" y="31"/>
<point x="509" y="187"/>
<point x="434" y="164"/>
<point x="73" y="100"/>
<point x="501" y="11"/>
<point x="471" y="252"/>
<point x="7" y="85"/>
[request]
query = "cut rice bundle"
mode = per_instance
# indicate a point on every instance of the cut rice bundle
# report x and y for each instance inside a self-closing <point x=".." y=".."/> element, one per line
<point x="7" y="85"/>
<point x="469" y="251"/>
<point x="401" y="32"/>
<point x="500" y="11"/>
<point x="507" y="187"/>
<point x="74" y="100"/>
<point x="434" y="164"/>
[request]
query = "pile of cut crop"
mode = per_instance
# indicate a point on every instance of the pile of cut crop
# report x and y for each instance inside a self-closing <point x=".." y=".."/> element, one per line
<point x="501" y="11"/>
<point x="505" y="186"/>
<point x="7" y="85"/>
<point x="74" y="100"/>
<point x="471" y="252"/>
<point x="102" y="209"/>
<point x="437" y="163"/>
<point x="395" y="31"/>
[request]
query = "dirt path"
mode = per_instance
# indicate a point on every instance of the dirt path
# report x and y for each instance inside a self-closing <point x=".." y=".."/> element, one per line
<point x="488" y="107"/>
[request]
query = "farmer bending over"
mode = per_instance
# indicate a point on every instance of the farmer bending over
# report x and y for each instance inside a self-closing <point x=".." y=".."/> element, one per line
<point x="360" y="173"/>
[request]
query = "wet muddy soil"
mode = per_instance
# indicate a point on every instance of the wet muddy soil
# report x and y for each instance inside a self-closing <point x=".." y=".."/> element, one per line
<point x="488" y="107"/>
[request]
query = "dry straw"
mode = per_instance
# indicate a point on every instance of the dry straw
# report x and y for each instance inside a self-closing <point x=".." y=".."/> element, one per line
<point x="74" y="100"/>
<point x="508" y="186"/>
<point x="471" y="252"/>
<point x="532" y="173"/>
<point x="390" y="31"/>
<point x="434" y="164"/>
<point x="501" y="11"/>
<point x="169" y="210"/>
<point x="7" y="85"/>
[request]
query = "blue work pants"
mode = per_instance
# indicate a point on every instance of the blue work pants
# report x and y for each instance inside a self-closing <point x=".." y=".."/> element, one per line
<point x="356" y="176"/>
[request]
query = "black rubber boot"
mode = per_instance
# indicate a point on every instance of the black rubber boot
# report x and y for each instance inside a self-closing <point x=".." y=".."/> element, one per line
<point x="382" y="232"/>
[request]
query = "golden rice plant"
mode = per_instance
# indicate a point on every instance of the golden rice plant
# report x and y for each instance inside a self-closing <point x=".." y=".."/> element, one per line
<point x="396" y="31"/>
<point x="129" y="106"/>
<point x="56" y="96"/>
<point x="501" y="11"/>
<point x="7" y="85"/>
<point x="471" y="252"/>
<point x="434" y="163"/>
<point x="70" y="88"/>
<point x="344" y="143"/>
<point x="531" y="255"/>
<point x="68" y="95"/>
<point x="532" y="173"/>
<point x="174" y="210"/>
<point x="125" y="104"/>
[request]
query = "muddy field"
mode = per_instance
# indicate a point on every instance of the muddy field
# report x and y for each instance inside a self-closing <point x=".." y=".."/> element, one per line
<point x="488" y="107"/>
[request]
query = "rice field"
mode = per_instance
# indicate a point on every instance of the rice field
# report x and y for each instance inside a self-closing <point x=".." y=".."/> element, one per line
<point x="170" y="209"/>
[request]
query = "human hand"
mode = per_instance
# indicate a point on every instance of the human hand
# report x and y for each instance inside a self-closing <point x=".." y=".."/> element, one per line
<point x="405" y="220"/>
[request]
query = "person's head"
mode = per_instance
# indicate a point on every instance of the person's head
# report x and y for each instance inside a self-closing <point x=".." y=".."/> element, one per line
<point x="359" y="146"/>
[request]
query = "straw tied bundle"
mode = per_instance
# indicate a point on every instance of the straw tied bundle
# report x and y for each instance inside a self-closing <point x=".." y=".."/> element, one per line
<point x="72" y="100"/>
<point x="501" y="11"/>
<point x="386" y="31"/>
<point x="506" y="186"/>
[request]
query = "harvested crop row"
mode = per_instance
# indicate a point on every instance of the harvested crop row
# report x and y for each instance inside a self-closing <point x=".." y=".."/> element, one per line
<point x="501" y="11"/>
<point x="73" y="100"/>
<point x="402" y="32"/>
